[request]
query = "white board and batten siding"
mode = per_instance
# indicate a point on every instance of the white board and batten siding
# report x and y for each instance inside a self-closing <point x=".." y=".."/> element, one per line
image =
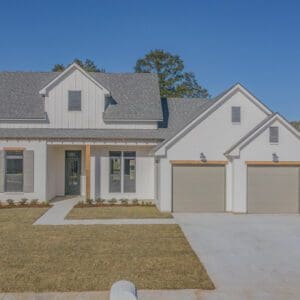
<point x="212" y="137"/>
<point x="92" y="108"/>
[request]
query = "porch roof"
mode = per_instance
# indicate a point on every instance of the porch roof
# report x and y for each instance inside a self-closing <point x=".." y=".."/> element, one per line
<point x="85" y="134"/>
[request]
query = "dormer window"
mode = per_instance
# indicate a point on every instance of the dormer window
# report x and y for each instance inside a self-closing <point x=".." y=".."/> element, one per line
<point x="74" y="101"/>
<point x="236" y="114"/>
<point x="274" y="135"/>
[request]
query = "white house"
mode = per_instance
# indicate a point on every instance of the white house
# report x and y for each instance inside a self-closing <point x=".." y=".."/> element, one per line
<point x="103" y="135"/>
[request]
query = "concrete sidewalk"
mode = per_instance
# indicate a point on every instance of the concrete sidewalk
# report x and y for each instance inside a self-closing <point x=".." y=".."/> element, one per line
<point x="104" y="295"/>
<point x="60" y="209"/>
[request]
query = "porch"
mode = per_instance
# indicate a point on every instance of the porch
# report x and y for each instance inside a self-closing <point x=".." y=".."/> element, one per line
<point x="106" y="171"/>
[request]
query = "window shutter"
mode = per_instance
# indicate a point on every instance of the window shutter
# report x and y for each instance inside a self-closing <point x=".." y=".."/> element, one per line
<point x="74" y="101"/>
<point x="235" y="114"/>
<point x="274" y="134"/>
<point x="28" y="171"/>
<point x="2" y="171"/>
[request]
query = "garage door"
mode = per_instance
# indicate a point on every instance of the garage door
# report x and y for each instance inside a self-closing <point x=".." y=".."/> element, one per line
<point x="273" y="189"/>
<point x="198" y="188"/>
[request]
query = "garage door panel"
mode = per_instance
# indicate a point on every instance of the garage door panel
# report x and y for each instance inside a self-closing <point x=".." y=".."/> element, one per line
<point x="198" y="189"/>
<point x="273" y="189"/>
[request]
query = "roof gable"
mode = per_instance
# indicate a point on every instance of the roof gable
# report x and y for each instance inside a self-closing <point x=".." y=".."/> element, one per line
<point x="207" y="111"/>
<point x="65" y="73"/>
<point x="257" y="130"/>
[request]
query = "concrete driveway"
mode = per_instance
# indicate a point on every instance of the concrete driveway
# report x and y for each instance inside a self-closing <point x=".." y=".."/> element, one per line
<point x="247" y="256"/>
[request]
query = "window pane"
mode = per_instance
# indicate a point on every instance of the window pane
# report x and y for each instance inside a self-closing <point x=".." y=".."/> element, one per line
<point x="74" y="101"/>
<point x="129" y="175"/>
<point x="115" y="175"/>
<point x="129" y="154"/>
<point x="235" y="114"/>
<point x="115" y="153"/>
<point x="14" y="171"/>
<point x="274" y="134"/>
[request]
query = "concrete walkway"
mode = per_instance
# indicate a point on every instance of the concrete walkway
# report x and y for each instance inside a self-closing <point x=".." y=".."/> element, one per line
<point x="247" y="256"/>
<point x="104" y="295"/>
<point x="56" y="216"/>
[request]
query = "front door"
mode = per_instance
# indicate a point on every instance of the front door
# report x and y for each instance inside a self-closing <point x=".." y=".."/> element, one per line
<point x="73" y="172"/>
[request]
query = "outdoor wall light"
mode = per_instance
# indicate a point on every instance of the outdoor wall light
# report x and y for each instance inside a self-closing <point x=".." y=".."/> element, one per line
<point x="202" y="156"/>
<point x="275" y="157"/>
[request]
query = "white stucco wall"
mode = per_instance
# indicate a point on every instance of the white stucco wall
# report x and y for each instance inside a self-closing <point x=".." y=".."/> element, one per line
<point x="40" y="174"/>
<point x="213" y="136"/>
<point x="288" y="149"/>
<point x="144" y="173"/>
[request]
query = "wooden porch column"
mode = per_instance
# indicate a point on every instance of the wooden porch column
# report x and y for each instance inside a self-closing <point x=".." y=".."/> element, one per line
<point x="87" y="171"/>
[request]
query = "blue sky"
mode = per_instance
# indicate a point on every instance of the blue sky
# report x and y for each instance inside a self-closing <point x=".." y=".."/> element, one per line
<point x="254" y="42"/>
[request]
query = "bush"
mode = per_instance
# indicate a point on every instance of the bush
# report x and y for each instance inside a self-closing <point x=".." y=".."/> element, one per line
<point x="89" y="201"/>
<point x="80" y="204"/>
<point x="112" y="201"/>
<point x="135" y="201"/>
<point x="23" y="201"/>
<point x="34" y="202"/>
<point x="100" y="201"/>
<point x="10" y="202"/>
<point x="124" y="201"/>
<point x="45" y="203"/>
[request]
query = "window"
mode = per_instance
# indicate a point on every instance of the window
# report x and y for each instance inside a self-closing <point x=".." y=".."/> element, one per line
<point x="274" y="135"/>
<point x="14" y="171"/>
<point x="115" y="171"/>
<point x="74" y="101"/>
<point x="129" y="172"/>
<point x="122" y="174"/>
<point x="236" y="114"/>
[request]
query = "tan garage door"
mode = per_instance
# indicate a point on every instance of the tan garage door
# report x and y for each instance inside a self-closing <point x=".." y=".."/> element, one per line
<point x="198" y="188"/>
<point x="273" y="189"/>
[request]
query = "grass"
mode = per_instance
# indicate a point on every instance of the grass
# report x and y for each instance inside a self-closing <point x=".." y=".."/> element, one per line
<point x="117" y="212"/>
<point x="88" y="258"/>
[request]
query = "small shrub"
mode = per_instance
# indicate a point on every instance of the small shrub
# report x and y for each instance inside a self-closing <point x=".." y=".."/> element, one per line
<point x="100" y="201"/>
<point x="124" y="201"/>
<point x="135" y="202"/>
<point x="80" y="204"/>
<point x="112" y="201"/>
<point x="34" y="202"/>
<point x="45" y="203"/>
<point x="23" y="201"/>
<point x="89" y="201"/>
<point x="10" y="202"/>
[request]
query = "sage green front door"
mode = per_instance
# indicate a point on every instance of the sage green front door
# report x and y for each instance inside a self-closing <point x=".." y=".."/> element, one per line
<point x="73" y="172"/>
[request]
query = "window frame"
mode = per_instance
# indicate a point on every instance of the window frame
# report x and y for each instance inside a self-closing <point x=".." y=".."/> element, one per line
<point x="233" y="108"/>
<point x="271" y="141"/>
<point x="19" y="155"/>
<point x="124" y="155"/>
<point x="69" y="106"/>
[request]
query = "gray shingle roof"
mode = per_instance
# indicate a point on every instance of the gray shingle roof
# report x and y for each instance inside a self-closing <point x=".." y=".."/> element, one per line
<point x="177" y="113"/>
<point x="19" y="94"/>
<point x="97" y="134"/>
<point x="136" y="95"/>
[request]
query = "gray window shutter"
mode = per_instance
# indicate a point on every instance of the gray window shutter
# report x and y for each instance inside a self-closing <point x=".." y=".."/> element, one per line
<point x="2" y="171"/>
<point x="274" y="134"/>
<point x="28" y="170"/>
<point x="236" y="114"/>
<point x="74" y="101"/>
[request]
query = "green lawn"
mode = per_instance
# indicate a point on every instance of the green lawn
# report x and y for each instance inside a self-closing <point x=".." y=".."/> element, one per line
<point x="117" y="212"/>
<point x="88" y="258"/>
